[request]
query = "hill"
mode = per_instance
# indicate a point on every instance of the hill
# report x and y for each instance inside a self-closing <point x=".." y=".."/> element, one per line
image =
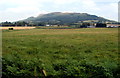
<point x="65" y="18"/>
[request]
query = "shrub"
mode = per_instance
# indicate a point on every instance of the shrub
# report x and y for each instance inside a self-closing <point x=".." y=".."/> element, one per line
<point x="10" y="28"/>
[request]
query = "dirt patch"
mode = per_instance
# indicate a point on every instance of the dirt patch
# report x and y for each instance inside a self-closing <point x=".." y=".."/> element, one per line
<point x="17" y="27"/>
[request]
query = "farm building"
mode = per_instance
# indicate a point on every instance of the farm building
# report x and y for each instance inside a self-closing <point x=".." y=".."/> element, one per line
<point x="113" y="25"/>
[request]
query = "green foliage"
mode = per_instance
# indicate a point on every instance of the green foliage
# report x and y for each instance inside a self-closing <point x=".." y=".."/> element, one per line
<point x="15" y="66"/>
<point x="64" y="18"/>
<point x="58" y="53"/>
<point x="101" y="25"/>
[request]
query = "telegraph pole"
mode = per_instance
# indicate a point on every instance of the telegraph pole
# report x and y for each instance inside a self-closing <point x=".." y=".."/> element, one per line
<point x="119" y="11"/>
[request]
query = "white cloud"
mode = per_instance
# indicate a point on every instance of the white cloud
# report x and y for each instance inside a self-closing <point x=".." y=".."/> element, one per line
<point x="22" y="10"/>
<point x="90" y="5"/>
<point x="109" y="11"/>
<point x="12" y="10"/>
<point x="64" y="1"/>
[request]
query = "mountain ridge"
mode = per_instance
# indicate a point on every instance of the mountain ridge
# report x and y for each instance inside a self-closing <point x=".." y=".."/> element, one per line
<point x="65" y="17"/>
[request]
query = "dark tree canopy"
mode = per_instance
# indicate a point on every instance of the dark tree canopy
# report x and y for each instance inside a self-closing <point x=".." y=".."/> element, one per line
<point x="101" y="25"/>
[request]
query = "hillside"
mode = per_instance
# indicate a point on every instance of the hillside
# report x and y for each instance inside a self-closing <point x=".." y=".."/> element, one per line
<point x="62" y="18"/>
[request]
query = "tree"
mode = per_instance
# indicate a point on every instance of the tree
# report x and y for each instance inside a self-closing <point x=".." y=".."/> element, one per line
<point x="7" y="24"/>
<point x="84" y="25"/>
<point x="101" y="25"/>
<point x="21" y="23"/>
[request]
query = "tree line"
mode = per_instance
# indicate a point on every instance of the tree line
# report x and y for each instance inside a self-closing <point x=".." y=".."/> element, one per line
<point x="23" y="23"/>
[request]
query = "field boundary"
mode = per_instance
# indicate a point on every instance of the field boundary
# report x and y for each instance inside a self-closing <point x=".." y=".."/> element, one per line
<point x="5" y="28"/>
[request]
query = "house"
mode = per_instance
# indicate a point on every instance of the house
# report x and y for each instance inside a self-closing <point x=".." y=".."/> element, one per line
<point x="47" y="25"/>
<point x="91" y="26"/>
<point x="113" y="25"/>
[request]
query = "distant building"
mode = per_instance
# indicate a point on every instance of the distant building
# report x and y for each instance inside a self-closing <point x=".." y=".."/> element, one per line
<point x="47" y="25"/>
<point x="25" y="25"/>
<point x="0" y="25"/>
<point x="113" y="25"/>
<point x="90" y="26"/>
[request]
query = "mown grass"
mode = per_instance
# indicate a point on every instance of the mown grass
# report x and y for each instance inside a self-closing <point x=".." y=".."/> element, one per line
<point x="90" y="52"/>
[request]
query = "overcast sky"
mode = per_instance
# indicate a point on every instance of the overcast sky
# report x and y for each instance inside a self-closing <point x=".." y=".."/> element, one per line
<point x="14" y="10"/>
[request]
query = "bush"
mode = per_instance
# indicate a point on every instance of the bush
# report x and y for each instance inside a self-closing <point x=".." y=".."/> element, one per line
<point x="82" y="70"/>
<point x="16" y="66"/>
<point x="101" y="25"/>
<point x="10" y="28"/>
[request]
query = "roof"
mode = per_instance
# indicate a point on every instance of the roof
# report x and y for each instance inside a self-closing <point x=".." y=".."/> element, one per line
<point x="113" y="24"/>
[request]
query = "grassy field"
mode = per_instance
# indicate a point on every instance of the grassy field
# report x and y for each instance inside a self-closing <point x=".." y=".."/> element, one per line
<point x="61" y="53"/>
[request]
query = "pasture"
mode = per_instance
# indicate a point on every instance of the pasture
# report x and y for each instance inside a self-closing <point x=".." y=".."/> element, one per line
<point x="61" y="53"/>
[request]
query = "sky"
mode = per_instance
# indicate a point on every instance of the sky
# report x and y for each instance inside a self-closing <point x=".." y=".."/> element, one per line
<point x="14" y="10"/>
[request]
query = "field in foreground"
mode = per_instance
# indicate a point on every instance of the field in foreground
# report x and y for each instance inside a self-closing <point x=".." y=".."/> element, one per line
<point x="61" y="53"/>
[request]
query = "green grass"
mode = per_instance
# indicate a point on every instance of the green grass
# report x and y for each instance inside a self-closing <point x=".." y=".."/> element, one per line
<point x="89" y="52"/>
<point x="55" y="27"/>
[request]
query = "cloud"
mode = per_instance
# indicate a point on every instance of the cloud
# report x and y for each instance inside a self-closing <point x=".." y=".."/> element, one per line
<point x="13" y="10"/>
<point x="109" y="11"/>
<point x="89" y="5"/>
<point x="19" y="9"/>
<point x="64" y="1"/>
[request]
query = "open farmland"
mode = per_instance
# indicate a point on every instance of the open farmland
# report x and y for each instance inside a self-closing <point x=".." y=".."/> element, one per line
<point x="17" y="28"/>
<point x="61" y="53"/>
